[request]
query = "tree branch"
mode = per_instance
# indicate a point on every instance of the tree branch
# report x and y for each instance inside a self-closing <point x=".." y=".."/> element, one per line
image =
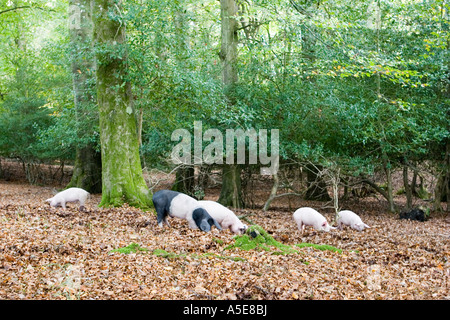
<point x="24" y="7"/>
<point x="376" y="187"/>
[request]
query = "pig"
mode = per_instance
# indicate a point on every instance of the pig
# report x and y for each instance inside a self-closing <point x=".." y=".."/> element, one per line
<point x="309" y="217"/>
<point x="224" y="216"/>
<point x="69" y="195"/>
<point x="180" y="205"/>
<point x="415" y="214"/>
<point x="351" y="219"/>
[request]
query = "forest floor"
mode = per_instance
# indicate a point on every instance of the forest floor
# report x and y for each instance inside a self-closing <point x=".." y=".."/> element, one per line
<point x="48" y="253"/>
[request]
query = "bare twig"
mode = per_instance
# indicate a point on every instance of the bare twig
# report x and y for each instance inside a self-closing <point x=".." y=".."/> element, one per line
<point x="25" y="7"/>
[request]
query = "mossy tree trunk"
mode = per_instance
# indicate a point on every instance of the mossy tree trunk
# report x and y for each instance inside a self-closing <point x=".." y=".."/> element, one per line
<point x="87" y="167"/>
<point x="231" y="192"/>
<point x="122" y="178"/>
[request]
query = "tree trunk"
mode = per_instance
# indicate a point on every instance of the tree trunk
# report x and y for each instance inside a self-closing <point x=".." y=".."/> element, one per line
<point x="185" y="180"/>
<point x="438" y="194"/>
<point x="231" y="192"/>
<point x="229" y="36"/>
<point x="122" y="178"/>
<point x="442" y="188"/>
<point x="87" y="168"/>
<point x="446" y="176"/>
<point x="407" y="186"/>
<point x="389" y="191"/>
<point x="414" y="182"/>
<point x="273" y="192"/>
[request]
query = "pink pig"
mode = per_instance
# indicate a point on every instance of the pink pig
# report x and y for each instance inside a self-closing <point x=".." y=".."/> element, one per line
<point x="351" y="219"/>
<point x="309" y="217"/>
<point x="69" y="195"/>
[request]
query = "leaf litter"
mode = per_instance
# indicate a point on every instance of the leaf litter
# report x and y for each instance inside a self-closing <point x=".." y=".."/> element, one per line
<point x="48" y="253"/>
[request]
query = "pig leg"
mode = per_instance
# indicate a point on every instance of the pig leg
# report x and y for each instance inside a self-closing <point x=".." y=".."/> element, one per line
<point x="299" y="225"/>
<point x="161" y="214"/>
<point x="82" y="208"/>
<point x="166" y="221"/>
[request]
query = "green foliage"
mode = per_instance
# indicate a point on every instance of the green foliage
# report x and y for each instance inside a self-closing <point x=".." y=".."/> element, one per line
<point x="165" y="254"/>
<point x="257" y="238"/>
<point x="131" y="248"/>
<point x="20" y="122"/>
<point x="319" y="246"/>
<point x="338" y="89"/>
<point x="135" y="248"/>
<point x="36" y="83"/>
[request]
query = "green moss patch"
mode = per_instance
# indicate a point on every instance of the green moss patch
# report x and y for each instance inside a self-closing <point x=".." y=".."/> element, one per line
<point x="318" y="246"/>
<point x="257" y="238"/>
<point x="222" y="257"/>
<point x="132" y="248"/>
<point x="166" y="254"/>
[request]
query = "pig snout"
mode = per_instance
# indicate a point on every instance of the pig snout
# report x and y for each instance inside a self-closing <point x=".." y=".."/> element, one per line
<point x="326" y="227"/>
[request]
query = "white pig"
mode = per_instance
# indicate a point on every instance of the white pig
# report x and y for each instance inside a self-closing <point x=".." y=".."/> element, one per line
<point x="69" y="195"/>
<point x="351" y="219"/>
<point x="309" y="217"/>
<point x="224" y="216"/>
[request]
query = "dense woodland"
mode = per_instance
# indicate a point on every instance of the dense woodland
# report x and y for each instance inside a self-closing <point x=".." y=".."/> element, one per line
<point x="356" y="89"/>
<point x="92" y="91"/>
